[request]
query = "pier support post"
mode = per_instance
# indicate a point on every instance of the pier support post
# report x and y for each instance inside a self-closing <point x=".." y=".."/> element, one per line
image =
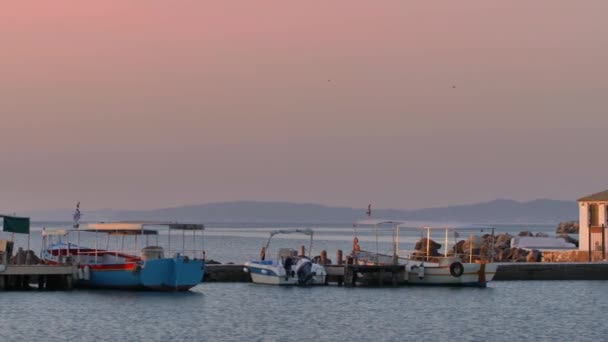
<point x="339" y="259"/>
<point x="69" y="284"/>
<point x="302" y="251"/>
<point x="348" y="276"/>
<point x="323" y="257"/>
<point x="2" y="282"/>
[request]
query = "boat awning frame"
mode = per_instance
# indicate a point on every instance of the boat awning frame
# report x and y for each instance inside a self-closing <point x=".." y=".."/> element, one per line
<point x="140" y="225"/>
<point x="377" y="222"/>
<point x="305" y="231"/>
<point x="119" y="231"/>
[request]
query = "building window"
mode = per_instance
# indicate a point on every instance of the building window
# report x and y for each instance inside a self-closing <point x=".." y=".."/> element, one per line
<point x="594" y="215"/>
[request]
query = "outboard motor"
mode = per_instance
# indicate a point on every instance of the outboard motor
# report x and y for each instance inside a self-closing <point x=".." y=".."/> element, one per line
<point x="304" y="271"/>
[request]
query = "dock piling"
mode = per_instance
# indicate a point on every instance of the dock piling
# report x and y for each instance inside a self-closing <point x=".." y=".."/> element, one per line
<point x="323" y="257"/>
<point x="302" y="251"/>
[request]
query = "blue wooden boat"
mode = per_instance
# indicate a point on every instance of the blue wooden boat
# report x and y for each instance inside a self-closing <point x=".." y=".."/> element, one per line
<point x="119" y="269"/>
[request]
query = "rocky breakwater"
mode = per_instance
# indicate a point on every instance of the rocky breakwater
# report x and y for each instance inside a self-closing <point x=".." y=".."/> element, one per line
<point x="498" y="248"/>
<point x="564" y="229"/>
<point x="422" y="246"/>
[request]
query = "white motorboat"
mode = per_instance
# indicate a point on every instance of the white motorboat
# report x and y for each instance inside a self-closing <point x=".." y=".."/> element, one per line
<point x="288" y="268"/>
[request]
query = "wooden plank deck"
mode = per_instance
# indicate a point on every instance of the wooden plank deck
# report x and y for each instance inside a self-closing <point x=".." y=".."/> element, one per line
<point x="32" y="270"/>
<point x="20" y="277"/>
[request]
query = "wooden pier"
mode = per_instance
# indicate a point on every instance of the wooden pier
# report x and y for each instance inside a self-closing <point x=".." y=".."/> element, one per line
<point x="393" y="275"/>
<point x="21" y="277"/>
<point x="226" y="273"/>
<point x="376" y="275"/>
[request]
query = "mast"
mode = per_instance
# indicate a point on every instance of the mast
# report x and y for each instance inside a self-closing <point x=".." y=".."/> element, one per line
<point x="76" y="216"/>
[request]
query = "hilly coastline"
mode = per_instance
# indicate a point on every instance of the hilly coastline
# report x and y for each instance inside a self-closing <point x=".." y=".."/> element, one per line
<point x="496" y="211"/>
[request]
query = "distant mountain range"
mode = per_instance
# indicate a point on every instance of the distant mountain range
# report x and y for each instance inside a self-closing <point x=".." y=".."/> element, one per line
<point x="497" y="211"/>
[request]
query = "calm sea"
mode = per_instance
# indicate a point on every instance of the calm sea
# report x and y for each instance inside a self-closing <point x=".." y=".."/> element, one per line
<point x="505" y="311"/>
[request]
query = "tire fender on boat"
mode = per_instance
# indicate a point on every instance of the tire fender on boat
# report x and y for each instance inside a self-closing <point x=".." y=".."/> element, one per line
<point x="456" y="269"/>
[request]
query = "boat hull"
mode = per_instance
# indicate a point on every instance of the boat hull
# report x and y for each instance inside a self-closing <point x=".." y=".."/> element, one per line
<point x="473" y="275"/>
<point x="169" y="274"/>
<point x="275" y="275"/>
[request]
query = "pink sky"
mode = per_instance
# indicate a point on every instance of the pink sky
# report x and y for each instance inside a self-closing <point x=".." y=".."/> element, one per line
<point x="154" y="103"/>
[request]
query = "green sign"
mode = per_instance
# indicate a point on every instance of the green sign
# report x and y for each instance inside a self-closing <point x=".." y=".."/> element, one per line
<point x="19" y="225"/>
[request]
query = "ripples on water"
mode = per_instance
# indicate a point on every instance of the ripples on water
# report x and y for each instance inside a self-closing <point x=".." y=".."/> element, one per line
<point x="506" y="311"/>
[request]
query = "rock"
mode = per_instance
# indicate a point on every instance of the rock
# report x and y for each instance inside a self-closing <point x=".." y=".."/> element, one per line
<point x="525" y="233"/>
<point x="503" y="240"/>
<point x="518" y="254"/>
<point x="568" y="227"/>
<point x="541" y="235"/>
<point x="502" y="255"/>
<point x="458" y="247"/>
<point x="569" y="239"/>
<point x="533" y="256"/>
<point x="474" y="242"/>
<point x="421" y="245"/>
<point x="419" y="255"/>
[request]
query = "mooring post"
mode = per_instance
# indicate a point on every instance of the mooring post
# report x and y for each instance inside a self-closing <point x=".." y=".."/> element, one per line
<point x="323" y="257"/>
<point x="302" y="251"/>
<point x="339" y="259"/>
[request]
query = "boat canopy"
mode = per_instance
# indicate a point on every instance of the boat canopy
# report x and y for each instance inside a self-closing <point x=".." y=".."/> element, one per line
<point x="120" y="231"/>
<point x="54" y="232"/>
<point x="376" y="222"/>
<point x="453" y="228"/>
<point x="139" y="225"/>
<point x="63" y="245"/>
<point x="306" y="231"/>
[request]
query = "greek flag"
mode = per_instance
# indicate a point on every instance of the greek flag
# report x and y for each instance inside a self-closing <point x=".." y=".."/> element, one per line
<point x="76" y="216"/>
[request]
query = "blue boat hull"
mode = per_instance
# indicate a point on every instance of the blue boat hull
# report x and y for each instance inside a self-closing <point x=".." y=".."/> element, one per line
<point x="169" y="274"/>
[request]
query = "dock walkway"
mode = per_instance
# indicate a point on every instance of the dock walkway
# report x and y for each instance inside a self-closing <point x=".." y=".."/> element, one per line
<point x="19" y="277"/>
<point x="393" y="274"/>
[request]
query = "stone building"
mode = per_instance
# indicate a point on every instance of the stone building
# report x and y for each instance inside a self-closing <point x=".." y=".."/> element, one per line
<point x="593" y="211"/>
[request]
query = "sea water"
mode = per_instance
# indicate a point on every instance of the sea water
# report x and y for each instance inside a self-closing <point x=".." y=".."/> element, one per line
<point x="504" y="311"/>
